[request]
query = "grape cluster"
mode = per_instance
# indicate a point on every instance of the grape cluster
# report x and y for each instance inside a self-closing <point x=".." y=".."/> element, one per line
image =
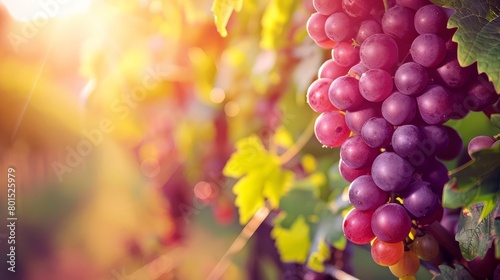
<point x="392" y="82"/>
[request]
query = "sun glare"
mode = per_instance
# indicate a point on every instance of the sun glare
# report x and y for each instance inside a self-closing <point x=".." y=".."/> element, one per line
<point x="41" y="10"/>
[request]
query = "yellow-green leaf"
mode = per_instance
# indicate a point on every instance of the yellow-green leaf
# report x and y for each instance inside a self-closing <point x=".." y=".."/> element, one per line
<point x="250" y="154"/>
<point x="293" y="243"/>
<point x="274" y="21"/>
<point x="317" y="258"/>
<point x="249" y="195"/>
<point x="222" y="10"/>
<point x="277" y="183"/>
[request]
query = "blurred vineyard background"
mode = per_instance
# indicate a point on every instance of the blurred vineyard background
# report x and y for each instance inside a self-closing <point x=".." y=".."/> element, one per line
<point x="119" y="117"/>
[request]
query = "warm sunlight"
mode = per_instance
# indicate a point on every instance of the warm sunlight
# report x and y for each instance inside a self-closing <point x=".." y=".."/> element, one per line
<point x="36" y="10"/>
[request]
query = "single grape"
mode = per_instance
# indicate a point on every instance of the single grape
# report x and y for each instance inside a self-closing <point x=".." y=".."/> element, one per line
<point x="480" y="94"/>
<point x="436" y="216"/>
<point x="330" y="129"/>
<point x="425" y="247"/>
<point x="399" y="109"/>
<point x="398" y="22"/>
<point x="454" y="146"/>
<point x="479" y="143"/>
<point x="327" y="7"/>
<point x="407" y="266"/>
<point x="355" y="119"/>
<point x="356" y="226"/>
<point x="377" y="132"/>
<point x="375" y="85"/>
<point x="437" y="136"/>
<point x="364" y="194"/>
<point x="419" y="199"/>
<point x="350" y="174"/>
<point x="391" y="223"/>
<point x="428" y="50"/>
<point x="379" y="51"/>
<point x="385" y="253"/>
<point x="317" y="96"/>
<point x="450" y="73"/>
<point x="391" y="172"/>
<point x="366" y="29"/>
<point x="345" y="54"/>
<point x="331" y="70"/>
<point x="411" y="78"/>
<point x="316" y="27"/>
<point x="435" y="104"/>
<point x="406" y="140"/>
<point x="430" y="19"/>
<point x="344" y="93"/>
<point x="356" y="154"/>
<point x="339" y="27"/>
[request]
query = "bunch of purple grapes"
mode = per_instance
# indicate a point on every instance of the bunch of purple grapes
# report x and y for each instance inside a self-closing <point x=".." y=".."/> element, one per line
<point x="383" y="98"/>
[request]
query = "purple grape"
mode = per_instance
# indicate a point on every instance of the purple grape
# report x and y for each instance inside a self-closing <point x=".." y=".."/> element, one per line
<point x="480" y="94"/>
<point x="391" y="172"/>
<point x="430" y="19"/>
<point x="331" y="70"/>
<point x="398" y="22"/>
<point x="355" y="119"/>
<point x="454" y="146"/>
<point x="375" y="85"/>
<point x="399" y="109"/>
<point x="316" y="27"/>
<point x="358" y="8"/>
<point x="438" y="137"/>
<point x="391" y="223"/>
<point x="356" y="154"/>
<point x="428" y="50"/>
<point x="379" y="51"/>
<point x="364" y="194"/>
<point x="345" y="54"/>
<point x="327" y="7"/>
<point x="479" y="143"/>
<point x="377" y="132"/>
<point x="317" y="96"/>
<point x="435" y="105"/>
<point x="436" y="173"/>
<point x="338" y="27"/>
<point x="406" y="140"/>
<point x="419" y="200"/>
<point x="350" y="174"/>
<point x="330" y="128"/>
<point x="411" y="78"/>
<point x="450" y="73"/>
<point x="344" y="93"/>
<point x="366" y="29"/>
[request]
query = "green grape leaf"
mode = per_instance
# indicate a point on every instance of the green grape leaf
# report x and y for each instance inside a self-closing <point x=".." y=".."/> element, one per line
<point x="495" y="120"/>
<point x="293" y="243"/>
<point x="260" y="177"/>
<point x="474" y="237"/>
<point x="478" y="22"/>
<point x="299" y="202"/>
<point x="449" y="273"/>
<point x="476" y="181"/>
<point x="274" y="22"/>
<point x="222" y="10"/>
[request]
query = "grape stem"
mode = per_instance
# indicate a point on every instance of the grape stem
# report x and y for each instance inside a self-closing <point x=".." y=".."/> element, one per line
<point x="386" y="5"/>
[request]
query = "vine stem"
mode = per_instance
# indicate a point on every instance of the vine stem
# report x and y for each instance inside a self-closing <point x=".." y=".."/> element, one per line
<point x="338" y="273"/>
<point x="240" y="241"/>
<point x="299" y="144"/>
